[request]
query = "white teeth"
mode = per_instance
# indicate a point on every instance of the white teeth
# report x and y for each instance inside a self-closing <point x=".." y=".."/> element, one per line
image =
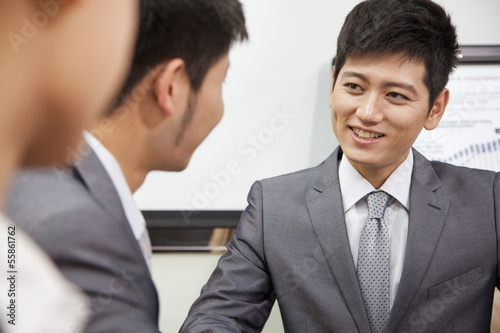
<point x="366" y="135"/>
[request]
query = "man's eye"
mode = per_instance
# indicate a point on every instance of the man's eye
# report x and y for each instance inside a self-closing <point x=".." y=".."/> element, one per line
<point x="353" y="86"/>
<point x="396" y="95"/>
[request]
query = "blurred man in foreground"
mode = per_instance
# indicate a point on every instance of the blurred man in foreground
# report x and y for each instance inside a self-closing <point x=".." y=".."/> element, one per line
<point x="43" y="110"/>
<point x="172" y="99"/>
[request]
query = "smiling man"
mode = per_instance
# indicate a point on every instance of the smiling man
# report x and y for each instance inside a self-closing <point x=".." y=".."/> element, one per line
<point x="376" y="238"/>
<point x="380" y="104"/>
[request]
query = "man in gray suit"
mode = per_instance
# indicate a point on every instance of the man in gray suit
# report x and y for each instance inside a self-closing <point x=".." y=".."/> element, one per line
<point x="376" y="238"/>
<point x="85" y="216"/>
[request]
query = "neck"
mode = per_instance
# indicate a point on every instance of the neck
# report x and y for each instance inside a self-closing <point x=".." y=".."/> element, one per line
<point x="377" y="176"/>
<point x="125" y="147"/>
<point x="134" y="174"/>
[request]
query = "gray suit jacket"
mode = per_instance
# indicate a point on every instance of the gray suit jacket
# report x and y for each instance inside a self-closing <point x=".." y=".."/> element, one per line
<point x="77" y="217"/>
<point x="291" y="246"/>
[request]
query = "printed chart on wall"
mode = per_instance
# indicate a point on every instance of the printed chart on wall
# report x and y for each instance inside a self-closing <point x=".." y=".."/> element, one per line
<point x="469" y="133"/>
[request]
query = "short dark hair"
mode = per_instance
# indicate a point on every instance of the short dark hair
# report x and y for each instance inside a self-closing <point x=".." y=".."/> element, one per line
<point x="198" y="31"/>
<point x="418" y="30"/>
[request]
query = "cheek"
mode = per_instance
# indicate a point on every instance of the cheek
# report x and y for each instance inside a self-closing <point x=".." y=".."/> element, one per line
<point x="405" y="129"/>
<point x="341" y="111"/>
<point x="220" y="109"/>
<point x="213" y="107"/>
<point x="344" y="106"/>
<point x="405" y="121"/>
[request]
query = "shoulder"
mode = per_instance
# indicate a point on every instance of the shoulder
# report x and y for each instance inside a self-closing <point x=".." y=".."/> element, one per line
<point x="292" y="181"/>
<point x="296" y="186"/>
<point x="463" y="176"/>
<point x="51" y="201"/>
<point x="451" y="177"/>
<point x="34" y="188"/>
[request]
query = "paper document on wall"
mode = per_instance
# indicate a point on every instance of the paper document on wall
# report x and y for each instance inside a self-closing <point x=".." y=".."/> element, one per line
<point x="469" y="133"/>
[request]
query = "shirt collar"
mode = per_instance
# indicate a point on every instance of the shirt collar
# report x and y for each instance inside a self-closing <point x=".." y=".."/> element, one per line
<point x="107" y="159"/>
<point x="119" y="181"/>
<point x="354" y="186"/>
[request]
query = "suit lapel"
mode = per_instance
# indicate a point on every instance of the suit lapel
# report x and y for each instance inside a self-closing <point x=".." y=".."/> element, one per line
<point x="427" y="217"/>
<point x="327" y="215"/>
<point x="100" y="186"/>
<point x="97" y="181"/>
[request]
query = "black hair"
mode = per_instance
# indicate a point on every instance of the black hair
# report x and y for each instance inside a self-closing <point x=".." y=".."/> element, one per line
<point x="417" y="30"/>
<point x="198" y="31"/>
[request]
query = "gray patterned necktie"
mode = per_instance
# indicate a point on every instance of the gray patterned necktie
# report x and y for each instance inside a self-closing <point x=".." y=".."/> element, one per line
<point x="373" y="262"/>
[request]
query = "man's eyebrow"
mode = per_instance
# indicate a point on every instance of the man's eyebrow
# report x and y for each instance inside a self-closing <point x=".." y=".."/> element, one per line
<point x="354" y="74"/>
<point x="404" y="86"/>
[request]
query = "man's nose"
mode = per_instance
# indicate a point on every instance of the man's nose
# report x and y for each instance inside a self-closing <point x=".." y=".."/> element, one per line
<point x="371" y="110"/>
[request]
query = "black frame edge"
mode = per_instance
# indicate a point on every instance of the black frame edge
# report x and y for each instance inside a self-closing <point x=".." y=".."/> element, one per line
<point x="479" y="54"/>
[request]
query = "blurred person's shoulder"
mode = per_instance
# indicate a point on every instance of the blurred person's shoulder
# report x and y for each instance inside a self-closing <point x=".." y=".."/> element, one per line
<point x="46" y="191"/>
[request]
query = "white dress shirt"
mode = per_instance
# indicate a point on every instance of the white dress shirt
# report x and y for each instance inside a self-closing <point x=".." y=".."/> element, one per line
<point x="132" y="212"/>
<point x="355" y="188"/>
<point x="44" y="301"/>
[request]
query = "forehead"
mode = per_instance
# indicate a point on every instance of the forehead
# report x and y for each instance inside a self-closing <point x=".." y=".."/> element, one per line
<point x="383" y="68"/>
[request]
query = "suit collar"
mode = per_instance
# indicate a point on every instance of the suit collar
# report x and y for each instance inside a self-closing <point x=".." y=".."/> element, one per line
<point x="98" y="183"/>
<point x="424" y="173"/>
<point x="428" y="213"/>
<point x="327" y="216"/>
<point x="328" y="173"/>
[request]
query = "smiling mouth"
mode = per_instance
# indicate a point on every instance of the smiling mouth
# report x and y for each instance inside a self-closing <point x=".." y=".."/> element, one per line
<point x="366" y="135"/>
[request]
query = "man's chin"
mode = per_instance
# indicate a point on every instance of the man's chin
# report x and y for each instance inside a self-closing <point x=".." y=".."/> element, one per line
<point x="364" y="159"/>
<point x="181" y="165"/>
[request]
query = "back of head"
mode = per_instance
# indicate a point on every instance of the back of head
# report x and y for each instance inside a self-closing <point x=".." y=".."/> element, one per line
<point x="418" y="30"/>
<point x="198" y="31"/>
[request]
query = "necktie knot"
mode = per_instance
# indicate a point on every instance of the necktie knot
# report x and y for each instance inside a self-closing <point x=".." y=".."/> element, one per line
<point x="377" y="203"/>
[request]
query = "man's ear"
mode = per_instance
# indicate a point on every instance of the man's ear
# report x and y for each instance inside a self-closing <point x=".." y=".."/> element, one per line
<point x="437" y="110"/>
<point x="171" y="85"/>
<point x="331" y="87"/>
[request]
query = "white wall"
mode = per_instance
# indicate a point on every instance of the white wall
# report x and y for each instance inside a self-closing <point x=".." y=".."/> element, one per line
<point x="477" y="21"/>
<point x="286" y="65"/>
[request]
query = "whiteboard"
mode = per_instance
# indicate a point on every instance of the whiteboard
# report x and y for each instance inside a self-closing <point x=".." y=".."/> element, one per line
<point x="469" y="133"/>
